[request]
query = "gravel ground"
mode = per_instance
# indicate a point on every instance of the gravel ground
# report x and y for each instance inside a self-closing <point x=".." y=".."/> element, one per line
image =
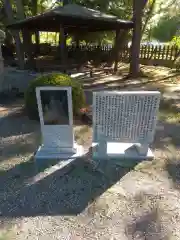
<point x="110" y="203"/>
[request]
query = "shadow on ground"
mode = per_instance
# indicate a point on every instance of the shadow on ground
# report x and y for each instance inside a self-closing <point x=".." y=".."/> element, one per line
<point x="167" y="134"/>
<point x="116" y="82"/>
<point x="151" y="79"/>
<point x="173" y="169"/>
<point x="22" y="194"/>
<point x="20" y="120"/>
<point x="18" y="136"/>
<point x="148" y="227"/>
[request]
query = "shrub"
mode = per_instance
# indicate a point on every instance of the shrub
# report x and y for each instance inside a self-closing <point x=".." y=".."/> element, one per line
<point x="78" y="99"/>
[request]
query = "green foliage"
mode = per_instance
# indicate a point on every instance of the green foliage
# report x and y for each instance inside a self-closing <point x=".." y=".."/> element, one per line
<point x="176" y="41"/>
<point x="53" y="80"/>
<point x="166" y="29"/>
<point x="120" y="8"/>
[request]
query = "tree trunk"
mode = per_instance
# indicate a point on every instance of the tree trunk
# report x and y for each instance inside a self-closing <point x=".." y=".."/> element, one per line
<point x="19" y="49"/>
<point x="121" y="41"/>
<point x="8" y="39"/>
<point x="34" y="12"/>
<point x="76" y="40"/>
<point x="27" y="42"/>
<point x="138" y="7"/>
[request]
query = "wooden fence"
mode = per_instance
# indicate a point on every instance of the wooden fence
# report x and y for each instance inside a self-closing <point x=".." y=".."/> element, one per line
<point x="155" y="52"/>
<point x="149" y="54"/>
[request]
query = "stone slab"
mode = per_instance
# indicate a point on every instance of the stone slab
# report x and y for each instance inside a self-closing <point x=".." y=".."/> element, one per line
<point x="124" y="154"/>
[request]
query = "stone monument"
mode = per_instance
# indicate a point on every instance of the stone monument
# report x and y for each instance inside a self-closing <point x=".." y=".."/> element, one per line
<point x="124" y="124"/>
<point x="56" y="119"/>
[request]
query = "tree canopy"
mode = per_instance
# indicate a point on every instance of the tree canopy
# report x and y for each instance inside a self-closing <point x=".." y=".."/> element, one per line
<point x="159" y="19"/>
<point x="166" y="28"/>
<point x="157" y="14"/>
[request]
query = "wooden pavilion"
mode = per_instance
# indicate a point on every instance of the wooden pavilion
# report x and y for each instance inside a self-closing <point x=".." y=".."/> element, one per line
<point x="71" y="19"/>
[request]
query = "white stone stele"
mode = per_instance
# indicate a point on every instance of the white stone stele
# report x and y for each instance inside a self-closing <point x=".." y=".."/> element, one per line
<point x="124" y="124"/>
<point x="57" y="140"/>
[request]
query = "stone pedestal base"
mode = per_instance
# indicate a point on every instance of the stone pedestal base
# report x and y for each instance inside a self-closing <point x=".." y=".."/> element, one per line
<point x="45" y="155"/>
<point x="125" y="154"/>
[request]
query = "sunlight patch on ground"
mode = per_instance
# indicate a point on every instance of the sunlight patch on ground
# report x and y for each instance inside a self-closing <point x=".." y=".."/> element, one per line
<point x="48" y="171"/>
<point x="83" y="134"/>
<point x="103" y="80"/>
<point x="5" y="235"/>
<point x="170" y="117"/>
<point x="12" y="161"/>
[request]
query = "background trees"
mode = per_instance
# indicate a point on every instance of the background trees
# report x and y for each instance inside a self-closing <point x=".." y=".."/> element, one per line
<point x="154" y="20"/>
<point x="157" y="14"/>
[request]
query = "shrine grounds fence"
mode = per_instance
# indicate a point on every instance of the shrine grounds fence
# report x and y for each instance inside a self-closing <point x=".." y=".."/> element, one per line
<point x="162" y="55"/>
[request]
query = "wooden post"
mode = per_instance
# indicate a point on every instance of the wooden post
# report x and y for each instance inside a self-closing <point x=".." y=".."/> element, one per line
<point x="76" y="39"/>
<point x="1" y="60"/>
<point x="37" y="42"/>
<point x="28" y="47"/>
<point x="63" y="48"/>
<point x="2" y="37"/>
<point x="116" y="49"/>
<point x="15" y="33"/>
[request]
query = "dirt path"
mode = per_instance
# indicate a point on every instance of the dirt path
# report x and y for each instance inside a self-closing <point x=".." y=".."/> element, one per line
<point x="111" y="203"/>
<point x="142" y="203"/>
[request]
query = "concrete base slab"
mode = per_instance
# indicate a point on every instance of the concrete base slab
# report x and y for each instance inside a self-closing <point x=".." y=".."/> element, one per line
<point x="45" y="153"/>
<point x="57" y="159"/>
<point x="125" y="154"/>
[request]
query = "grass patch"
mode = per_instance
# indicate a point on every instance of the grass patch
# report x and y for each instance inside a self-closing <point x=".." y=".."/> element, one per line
<point x="170" y="117"/>
<point x="6" y="235"/>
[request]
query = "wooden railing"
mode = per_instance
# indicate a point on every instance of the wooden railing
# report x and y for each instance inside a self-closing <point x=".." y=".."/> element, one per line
<point x="159" y="54"/>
